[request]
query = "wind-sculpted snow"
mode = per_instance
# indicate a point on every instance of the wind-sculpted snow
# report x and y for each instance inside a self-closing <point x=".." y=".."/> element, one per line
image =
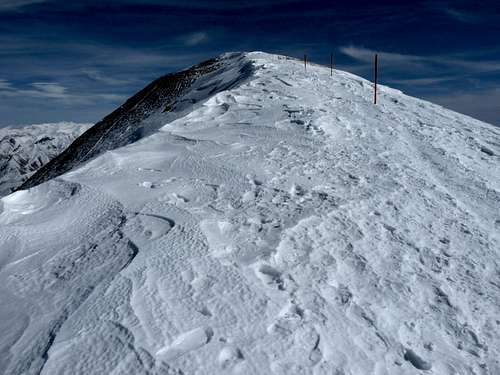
<point x="24" y="150"/>
<point x="283" y="226"/>
<point x="58" y="243"/>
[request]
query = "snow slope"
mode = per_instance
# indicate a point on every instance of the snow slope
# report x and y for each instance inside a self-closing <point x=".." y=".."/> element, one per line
<point x="24" y="150"/>
<point x="285" y="225"/>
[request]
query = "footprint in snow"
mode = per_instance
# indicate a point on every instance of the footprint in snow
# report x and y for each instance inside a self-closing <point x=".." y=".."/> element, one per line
<point x="147" y="185"/>
<point x="308" y="339"/>
<point x="487" y="151"/>
<point x="180" y="198"/>
<point x="229" y="356"/>
<point x="270" y="276"/>
<point x="416" y="360"/>
<point x="288" y="320"/>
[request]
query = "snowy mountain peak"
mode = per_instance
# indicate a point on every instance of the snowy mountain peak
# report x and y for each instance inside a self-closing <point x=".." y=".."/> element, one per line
<point x="271" y="221"/>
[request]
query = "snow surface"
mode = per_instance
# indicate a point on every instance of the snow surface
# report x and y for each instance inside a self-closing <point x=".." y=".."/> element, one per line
<point x="284" y="226"/>
<point x="23" y="150"/>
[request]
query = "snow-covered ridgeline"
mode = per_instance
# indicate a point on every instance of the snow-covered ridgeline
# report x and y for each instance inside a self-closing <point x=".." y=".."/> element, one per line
<point x="23" y="150"/>
<point x="283" y="226"/>
<point x="163" y="100"/>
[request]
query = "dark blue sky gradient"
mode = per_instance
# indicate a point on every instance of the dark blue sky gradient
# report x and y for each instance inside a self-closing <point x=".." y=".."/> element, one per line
<point x="78" y="60"/>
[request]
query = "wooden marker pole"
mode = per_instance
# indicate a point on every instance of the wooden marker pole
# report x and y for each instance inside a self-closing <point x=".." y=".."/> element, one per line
<point x="376" y="78"/>
<point x="331" y="65"/>
<point x="305" y="63"/>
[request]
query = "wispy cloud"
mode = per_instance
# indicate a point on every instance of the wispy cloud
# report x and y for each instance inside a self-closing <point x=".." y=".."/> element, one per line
<point x="409" y="62"/>
<point x="9" y="5"/>
<point x="102" y="54"/>
<point x="36" y="89"/>
<point x="49" y="89"/>
<point x="5" y="85"/>
<point x="92" y="66"/>
<point x="195" y="38"/>
<point x="464" y="17"/>
<point x="366" y="55"/>
<point x="98" y="76"/>
<point x="422" y="81"/>
<point x="53" y="91"/>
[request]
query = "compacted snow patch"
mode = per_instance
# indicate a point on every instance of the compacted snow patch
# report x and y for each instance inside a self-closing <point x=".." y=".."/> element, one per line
<point x="185" y="342"/>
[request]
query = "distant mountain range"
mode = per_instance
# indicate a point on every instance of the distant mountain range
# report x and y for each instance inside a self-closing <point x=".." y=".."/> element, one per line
<point x="23" y="150"/>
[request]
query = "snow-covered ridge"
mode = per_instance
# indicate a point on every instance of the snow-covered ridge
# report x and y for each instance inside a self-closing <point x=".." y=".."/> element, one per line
<point x="163" y="100"/>
<point x="23" y="150"/>
<point x="281" y="225"/>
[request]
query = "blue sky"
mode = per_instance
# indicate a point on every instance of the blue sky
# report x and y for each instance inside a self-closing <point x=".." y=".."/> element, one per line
<point x="79" y="60"/>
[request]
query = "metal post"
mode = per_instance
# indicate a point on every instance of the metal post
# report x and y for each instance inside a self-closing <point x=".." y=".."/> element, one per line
<point x="305" y="63"/>
<point x="376" y="78"/>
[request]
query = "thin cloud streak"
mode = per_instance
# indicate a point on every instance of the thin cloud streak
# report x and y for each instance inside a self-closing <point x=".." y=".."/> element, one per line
<point x="421" y="81"/>
<point x="98" y="76"/>
<point x="54" y="91"/>
<point x="195" y="39"/>
<point x="462" y="16"/>
<point x="5" y="85"/>
<point x="422" y="62"/>
<point x="10" y="5"/>
<point x="101" y="54"/>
